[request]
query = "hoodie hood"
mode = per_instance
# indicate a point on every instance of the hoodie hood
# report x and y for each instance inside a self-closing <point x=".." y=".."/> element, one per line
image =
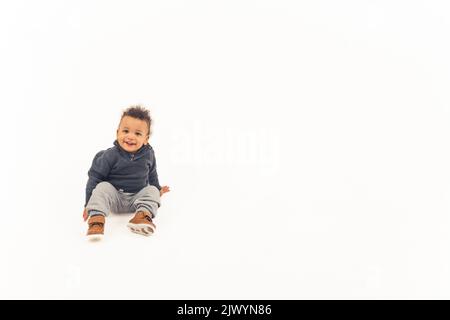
<point x="141" y="152"/>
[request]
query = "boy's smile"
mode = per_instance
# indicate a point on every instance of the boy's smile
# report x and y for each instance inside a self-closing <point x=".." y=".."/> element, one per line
<point x="132" y="134"/>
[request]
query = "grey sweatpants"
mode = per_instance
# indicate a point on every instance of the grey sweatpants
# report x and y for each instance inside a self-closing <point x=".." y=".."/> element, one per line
<point x="106" y="198"/>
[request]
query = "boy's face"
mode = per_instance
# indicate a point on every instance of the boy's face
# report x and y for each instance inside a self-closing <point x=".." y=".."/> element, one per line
<point x="132" y="134"/>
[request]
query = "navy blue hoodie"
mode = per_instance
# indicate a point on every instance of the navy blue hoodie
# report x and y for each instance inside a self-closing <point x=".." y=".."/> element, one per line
<point x="129" y="172"/>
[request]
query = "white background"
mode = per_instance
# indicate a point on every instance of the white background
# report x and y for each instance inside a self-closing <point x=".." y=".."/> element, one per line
<point x="306" y="145"/>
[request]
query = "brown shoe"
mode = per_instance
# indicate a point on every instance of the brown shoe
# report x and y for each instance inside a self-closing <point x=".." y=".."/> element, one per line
<point x="142" y="224"/>
<point x="96" y="227"/>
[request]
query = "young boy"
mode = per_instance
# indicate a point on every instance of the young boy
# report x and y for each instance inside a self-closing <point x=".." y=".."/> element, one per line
<point x="123" y="178"/>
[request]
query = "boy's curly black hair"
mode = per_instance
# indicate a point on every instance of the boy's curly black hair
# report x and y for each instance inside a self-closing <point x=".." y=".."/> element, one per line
<point x="138" y="112"/>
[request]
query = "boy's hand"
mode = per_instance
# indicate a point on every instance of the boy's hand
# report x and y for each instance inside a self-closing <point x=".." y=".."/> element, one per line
<point x="164" y="189"/>
<point x="85" y="214"/>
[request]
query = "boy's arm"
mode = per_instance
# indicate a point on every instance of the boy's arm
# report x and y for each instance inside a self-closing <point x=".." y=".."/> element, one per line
<point x="98" y="172"/>
<point x="153" y="179"/>
<point x="153" y="175"/>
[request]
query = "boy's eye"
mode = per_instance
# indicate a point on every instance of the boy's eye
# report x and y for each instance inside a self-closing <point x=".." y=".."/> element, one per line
<point x="138" y="134"/>
<point x="125" y="131"/>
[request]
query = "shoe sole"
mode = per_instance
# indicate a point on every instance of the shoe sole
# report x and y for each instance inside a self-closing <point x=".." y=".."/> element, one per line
<point x="94" y="237"/>
<point x="143" y="229"/>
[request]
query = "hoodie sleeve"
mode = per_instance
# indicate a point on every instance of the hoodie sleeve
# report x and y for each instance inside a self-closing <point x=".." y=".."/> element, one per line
<point x="153" y="174"/>
<point x="98" y="172"/>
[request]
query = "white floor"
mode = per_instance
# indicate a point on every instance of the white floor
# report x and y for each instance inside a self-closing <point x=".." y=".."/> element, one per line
<point x="211" y="244"/>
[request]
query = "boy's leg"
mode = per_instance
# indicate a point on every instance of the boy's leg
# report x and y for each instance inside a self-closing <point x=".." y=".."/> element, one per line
<point x="145" y="203"/>
<point x="147" y="200"/>
<point x="104" y="199"/>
